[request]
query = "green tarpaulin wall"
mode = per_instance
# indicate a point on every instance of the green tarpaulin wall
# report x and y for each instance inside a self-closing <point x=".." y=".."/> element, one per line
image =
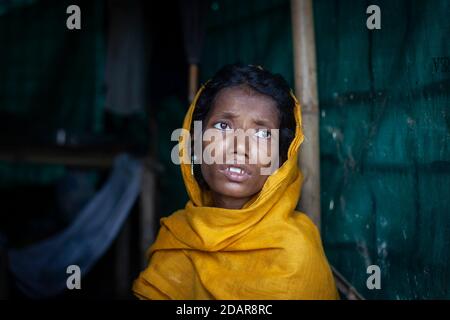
<point x="384" y="130"/>
<point x="50" y="77"/>
<point x="385" y="144"/>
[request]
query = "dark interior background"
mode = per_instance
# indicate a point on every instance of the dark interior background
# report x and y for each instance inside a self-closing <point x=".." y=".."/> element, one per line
<point x="384" y="124"/>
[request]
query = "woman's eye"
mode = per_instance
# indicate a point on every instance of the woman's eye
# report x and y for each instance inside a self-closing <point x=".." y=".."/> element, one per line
<point x="263" y="133"/>
<point x="222" y="126"/>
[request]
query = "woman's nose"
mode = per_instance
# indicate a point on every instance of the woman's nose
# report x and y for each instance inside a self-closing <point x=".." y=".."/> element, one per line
<point x="240" y="144"/>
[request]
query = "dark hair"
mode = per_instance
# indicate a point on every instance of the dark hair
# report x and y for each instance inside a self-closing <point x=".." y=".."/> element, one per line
<point x="263" y="82"/>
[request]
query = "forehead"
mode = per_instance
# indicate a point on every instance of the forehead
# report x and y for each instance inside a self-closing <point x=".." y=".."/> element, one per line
<point x="244" y="101"/>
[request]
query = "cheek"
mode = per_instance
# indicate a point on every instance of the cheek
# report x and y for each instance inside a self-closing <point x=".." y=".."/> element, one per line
<point x="264" y="153"/>
<point x="259" y="181"/>
<point x="214" y="150"/>
<point x="207" y="173"/>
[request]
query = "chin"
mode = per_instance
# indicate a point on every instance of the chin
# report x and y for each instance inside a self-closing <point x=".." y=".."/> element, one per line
<point x="234" y="191"/>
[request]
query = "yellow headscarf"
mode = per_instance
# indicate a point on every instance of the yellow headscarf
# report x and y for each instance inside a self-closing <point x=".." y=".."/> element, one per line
<point x="266" y="250"/>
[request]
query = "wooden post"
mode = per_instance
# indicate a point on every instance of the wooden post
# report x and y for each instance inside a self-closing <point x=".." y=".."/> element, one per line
<point x="302" y="16"/>
<point x="122" y="269"/>
<point x="147" y="212"/>
<point x="306" y="91"/>
<point x="193" y="81"/>
<point x="3" y="274"/>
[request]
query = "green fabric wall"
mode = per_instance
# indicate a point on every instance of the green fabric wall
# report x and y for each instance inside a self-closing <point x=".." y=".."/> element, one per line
<point x="50" y="77"/>
<point x="384" y="130"/>
<point x="385" y="145"/>
<point x="256" y="32"/>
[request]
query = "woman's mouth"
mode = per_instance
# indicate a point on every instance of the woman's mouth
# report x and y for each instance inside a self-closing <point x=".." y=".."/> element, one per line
<point x="235" y="173"/>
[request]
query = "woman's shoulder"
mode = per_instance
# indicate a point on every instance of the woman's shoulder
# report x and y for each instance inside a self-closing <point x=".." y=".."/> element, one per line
<point x="306" y="229"/>
<point x="311" y="258"/>
<point x="304" y="244"/>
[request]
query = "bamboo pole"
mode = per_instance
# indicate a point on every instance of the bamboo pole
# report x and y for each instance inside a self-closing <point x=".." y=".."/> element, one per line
<point x="306" y="90"/>
<point x="193" y="81"/>
<point x="4" y="294"/>
<point x="147" y="215"/>
<point x="122" y="268"/>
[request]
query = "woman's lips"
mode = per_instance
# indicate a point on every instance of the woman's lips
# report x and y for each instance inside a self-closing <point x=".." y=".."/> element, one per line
<point x="235" y="173"/>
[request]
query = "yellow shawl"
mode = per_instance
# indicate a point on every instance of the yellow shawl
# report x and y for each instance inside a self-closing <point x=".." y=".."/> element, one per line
<point x="266" y="250"/>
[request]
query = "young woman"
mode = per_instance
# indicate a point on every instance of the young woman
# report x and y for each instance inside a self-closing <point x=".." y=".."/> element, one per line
<point x="239" y="236"/>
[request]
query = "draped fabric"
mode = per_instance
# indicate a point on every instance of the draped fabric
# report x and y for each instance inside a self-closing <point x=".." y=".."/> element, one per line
<point x="40" y="269"/>
<point x="266" y="250"/>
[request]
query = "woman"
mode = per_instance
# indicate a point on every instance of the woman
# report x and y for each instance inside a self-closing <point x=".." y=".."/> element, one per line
<point x="239" y="236"/>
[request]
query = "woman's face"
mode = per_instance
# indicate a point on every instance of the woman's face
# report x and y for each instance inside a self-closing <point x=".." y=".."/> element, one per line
<point x="234" y="181"/>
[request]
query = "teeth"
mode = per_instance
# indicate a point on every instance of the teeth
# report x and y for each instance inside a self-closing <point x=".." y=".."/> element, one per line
<point x="235" y="170"/>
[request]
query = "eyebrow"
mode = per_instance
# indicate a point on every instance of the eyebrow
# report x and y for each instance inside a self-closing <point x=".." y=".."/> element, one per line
<point x="227" y="115"/>
<point x="262" y="122"/>
<point x="232" y="115"/>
